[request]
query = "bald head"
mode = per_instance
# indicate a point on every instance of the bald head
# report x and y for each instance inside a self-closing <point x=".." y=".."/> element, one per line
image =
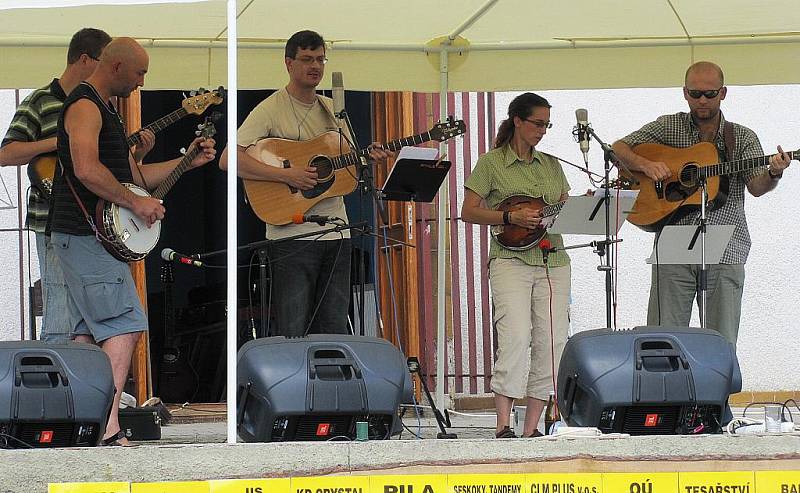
<point x="704" y="69"/>
<point x="123" y="50"/>
<point x="123" y="65"/>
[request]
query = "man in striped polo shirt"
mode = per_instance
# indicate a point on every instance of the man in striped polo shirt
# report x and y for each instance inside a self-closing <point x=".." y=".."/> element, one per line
<point x="32" y="133"/>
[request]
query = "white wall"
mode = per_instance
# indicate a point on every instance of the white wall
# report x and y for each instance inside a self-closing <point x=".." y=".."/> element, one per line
<point x="769" y="334"/>
<point x="9" y="241"/>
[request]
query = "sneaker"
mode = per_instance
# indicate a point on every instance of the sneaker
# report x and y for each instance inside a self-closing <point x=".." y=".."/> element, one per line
<point x="506" y="432"/>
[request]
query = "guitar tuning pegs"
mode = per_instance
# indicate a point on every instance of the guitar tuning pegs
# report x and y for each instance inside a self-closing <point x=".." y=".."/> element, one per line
<point x="203" y="90"/>
<point x="182" y="151"/>
<point x="183" y="94"/>
<point x="197" y="133"/>
<point x="192" y="93"/>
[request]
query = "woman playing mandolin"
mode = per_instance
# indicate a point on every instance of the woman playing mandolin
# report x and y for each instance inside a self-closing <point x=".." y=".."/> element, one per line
<point x="527" y="285"/>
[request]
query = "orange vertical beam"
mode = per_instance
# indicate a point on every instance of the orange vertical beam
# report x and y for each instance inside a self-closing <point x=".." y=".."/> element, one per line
<point x="394" y="118"/>
<point x="130" y="109"/>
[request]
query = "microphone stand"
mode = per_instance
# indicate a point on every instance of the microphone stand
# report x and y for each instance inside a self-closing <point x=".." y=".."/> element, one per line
<point x="703" y="267"/>
<point x="604" y="248"/>
<point x="263" y="262"/>
<point x="360" y="301"/>
<point x="366" y="187"/>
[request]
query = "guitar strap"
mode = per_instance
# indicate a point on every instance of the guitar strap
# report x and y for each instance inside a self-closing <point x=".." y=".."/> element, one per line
<point x="724" y="182"/>
<point x="97" y="233"/>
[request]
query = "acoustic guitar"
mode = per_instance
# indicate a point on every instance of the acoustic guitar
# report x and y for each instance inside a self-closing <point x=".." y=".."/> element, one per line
<point x="335" y="162"/>
<point x="42" y="168"/>
<point x="516" y="237"/>
<point x="657" y="201"/>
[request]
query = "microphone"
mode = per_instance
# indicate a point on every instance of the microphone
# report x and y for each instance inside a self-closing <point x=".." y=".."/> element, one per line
<point x="583" y="136"/>
<point x="169" y="255"/>
<point x="338" y="94"/>
<point x="545" y="246"/>
<point x="301" y="218"/>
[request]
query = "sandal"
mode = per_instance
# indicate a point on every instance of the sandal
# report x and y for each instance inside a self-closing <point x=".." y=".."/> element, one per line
<point x="535" y="434"/>
<point x="506" y="432"/>
<point x="117" y="440"/>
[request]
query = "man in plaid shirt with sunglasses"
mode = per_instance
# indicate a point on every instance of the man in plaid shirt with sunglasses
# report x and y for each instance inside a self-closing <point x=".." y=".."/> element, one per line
<point x="674" y="287"/>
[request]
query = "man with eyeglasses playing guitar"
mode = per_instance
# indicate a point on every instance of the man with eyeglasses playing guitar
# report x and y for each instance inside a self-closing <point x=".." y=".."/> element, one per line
<point x="310" y="277"/>
<point x="742" y="164"/>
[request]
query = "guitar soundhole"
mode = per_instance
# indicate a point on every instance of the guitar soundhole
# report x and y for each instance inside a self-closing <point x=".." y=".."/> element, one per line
<point x="324" y="168"/>
<point x="688" y="176"/>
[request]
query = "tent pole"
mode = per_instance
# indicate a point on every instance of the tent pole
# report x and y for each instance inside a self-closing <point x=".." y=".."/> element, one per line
<point x="471" y="20"/>
<point x="232" y="272"/>
<point x="441" y="280"/>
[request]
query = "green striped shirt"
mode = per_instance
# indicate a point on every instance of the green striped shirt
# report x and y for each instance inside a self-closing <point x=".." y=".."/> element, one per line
<point x="500" y="174"/>
<point x="36" y="119"/>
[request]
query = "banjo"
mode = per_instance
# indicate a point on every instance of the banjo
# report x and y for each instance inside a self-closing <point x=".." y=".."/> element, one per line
<point x="124" y="234"/>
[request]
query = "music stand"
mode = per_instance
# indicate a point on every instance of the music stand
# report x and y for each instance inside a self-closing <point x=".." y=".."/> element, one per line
<point x="581" y="214"/>
<point x="681" y="244"/>
<point x="586" y="215"/>
<point x="691" y="245"/>
<point x="416" y="175"/>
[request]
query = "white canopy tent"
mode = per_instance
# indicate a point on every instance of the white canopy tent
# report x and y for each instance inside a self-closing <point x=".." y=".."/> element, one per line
<point x="381" y="45"/>
<point x="440" y="46"/>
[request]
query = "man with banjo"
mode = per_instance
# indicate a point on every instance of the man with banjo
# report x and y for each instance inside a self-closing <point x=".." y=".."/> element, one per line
<point x="96" y="161"/>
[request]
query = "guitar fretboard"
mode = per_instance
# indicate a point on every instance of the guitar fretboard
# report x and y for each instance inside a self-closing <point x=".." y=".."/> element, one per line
<point x="158" y="125"/>
<point x="733" y="167"/>
<point x="176" y="173"/>
<point x="349" y="159"/>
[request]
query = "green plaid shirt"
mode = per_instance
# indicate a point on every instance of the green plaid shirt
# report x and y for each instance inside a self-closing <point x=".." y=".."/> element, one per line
<point x="37" y="119"/>
<point x="500" y="174"/>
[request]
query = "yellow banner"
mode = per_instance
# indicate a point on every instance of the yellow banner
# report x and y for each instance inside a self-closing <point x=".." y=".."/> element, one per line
<point x="331" y="484"/>
<point x="281" y="485"/>
<point x="89" y="488"/>
<point x="565" y="483"/>
<point x="717" y="482"/>
<point x="640" y="482"/>
<point x="171" y="487"/>
<point x="778" y="481"/>
<point x="428" y="483"/>
<point x="486" y="483"/>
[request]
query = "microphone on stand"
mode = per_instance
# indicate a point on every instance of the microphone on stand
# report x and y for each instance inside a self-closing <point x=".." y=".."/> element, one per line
<point x="583" y="136"/>
<point x="170" y="255"/>
<point x="301" y="218"/>
<point x="338" y="94"/>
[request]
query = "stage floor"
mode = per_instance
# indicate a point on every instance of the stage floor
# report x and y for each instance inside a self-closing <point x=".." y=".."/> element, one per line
<point x="196" y="451"/>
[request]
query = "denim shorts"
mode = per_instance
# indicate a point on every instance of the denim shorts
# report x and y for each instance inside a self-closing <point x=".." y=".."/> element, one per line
<point x="101" y="288"/>
<point x="60" y="316"/>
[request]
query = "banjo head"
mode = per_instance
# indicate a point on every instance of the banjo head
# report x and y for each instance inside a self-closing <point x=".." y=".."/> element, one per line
<point x="132" y="232"/>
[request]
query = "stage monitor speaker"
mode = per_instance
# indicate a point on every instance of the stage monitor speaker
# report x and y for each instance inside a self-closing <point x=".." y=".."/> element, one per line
<point x="648" y="380"/>
<point x="317" y="388"/>
<point x="53" y="395"/>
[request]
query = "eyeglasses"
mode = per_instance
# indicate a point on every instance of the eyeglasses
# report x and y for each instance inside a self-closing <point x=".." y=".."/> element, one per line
<point x="308" y="60"/>
<point x="696" y="93"/>
<point x="540" y="123"/>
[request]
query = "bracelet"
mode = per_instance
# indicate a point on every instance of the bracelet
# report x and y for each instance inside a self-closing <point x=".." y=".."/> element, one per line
<point x="506" y="217"/>
<point x="774" y="177"/>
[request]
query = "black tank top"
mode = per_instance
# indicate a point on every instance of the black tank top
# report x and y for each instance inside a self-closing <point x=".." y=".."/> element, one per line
<point x="65" y="213"/>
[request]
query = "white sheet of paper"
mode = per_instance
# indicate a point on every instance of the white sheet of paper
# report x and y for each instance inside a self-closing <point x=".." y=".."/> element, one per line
<point x="426" y="153"/>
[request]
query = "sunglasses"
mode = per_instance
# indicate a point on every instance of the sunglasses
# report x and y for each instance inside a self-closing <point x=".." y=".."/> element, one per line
<point x="696" y="93"/>
<point x="540" y="123"/>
